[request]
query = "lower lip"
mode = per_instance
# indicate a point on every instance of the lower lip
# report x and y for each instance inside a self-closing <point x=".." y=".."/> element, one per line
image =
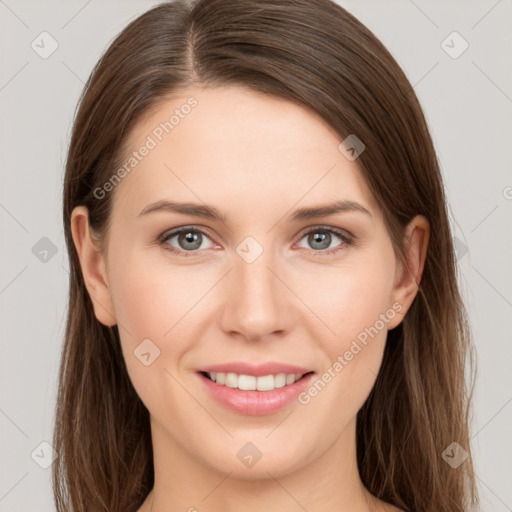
<point x="256" y="403"/>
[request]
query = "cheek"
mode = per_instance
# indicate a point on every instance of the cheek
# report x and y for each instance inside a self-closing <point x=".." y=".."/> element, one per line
<point x="151" y="301"/>
<point x="354" y="303"/>
<point x="349" y="298"/>
<point x="150" y="296"/>
<point x="158" y="301"/>
<point x="140" y="302"/>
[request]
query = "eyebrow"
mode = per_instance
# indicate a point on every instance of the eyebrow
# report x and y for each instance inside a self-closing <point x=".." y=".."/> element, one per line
<point x="210" y="212"/>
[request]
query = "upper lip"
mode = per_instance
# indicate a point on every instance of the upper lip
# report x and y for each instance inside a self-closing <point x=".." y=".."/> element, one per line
<point x="258" y="370"/>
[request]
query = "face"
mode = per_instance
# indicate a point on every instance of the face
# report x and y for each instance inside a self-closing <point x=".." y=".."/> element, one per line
<point x="265" y="280"/>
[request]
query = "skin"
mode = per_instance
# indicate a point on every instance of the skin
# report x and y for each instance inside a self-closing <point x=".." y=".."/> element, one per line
<point x="256" y="159"/>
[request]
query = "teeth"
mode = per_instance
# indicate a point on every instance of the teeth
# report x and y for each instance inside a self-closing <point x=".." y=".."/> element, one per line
<point x="252" y="383"/>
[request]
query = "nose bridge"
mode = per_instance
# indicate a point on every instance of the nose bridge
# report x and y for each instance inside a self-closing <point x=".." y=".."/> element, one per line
<point x="255" y="305"/>
<point x="255" y="280"/>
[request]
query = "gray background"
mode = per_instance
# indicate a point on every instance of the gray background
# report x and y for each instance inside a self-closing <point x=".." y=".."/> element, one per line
<point x="468" y="104"/>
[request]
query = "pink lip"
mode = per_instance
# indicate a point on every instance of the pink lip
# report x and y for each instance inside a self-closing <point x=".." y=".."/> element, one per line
<point x="256" y="403"/>
<point x="258" y="370"/>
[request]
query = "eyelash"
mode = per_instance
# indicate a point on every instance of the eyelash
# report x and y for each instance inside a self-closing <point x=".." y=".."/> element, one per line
<point x="348" y="240"/>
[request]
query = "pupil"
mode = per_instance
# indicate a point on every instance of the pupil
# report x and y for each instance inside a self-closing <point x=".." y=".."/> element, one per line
<point x="190" y="237"/>
<point x="323" y="238"/>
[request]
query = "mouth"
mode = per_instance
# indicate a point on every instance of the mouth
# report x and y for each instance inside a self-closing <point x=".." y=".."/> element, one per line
<point x="257" y="392"/>
<point x="246" y="382"/>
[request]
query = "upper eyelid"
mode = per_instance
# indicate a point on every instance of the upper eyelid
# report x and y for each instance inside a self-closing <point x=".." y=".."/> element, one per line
<point x="319" y="227"/>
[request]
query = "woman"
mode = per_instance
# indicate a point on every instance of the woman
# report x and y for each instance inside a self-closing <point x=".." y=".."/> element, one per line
<point x="263" y="309"/>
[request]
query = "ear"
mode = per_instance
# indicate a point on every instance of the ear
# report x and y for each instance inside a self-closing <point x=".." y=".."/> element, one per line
<point x="92" y="263"/>
<point x="408" y="276"/>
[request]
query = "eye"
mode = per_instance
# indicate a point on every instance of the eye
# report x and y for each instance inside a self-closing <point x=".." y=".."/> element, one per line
<point x="320" y="238"/>
<point x="189" y="240"/>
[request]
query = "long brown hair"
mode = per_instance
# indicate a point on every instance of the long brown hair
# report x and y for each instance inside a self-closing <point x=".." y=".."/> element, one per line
<point x="316" y="54"/>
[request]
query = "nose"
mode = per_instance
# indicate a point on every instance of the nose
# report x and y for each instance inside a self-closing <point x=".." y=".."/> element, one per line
<point x="258" y="304"/>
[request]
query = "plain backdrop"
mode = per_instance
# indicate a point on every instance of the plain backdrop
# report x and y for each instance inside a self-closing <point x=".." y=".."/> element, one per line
<point x="466" y="94"/>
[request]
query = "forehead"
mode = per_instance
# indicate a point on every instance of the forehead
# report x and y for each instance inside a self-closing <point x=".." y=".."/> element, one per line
<point x="233" y="145"/>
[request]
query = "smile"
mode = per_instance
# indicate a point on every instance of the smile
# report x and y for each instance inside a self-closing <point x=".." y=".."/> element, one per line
<point x="254" y="395"/>
<point x="252" y="382"/>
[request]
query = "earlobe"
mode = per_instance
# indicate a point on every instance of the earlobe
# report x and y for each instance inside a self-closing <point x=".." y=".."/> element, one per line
<point x="92" y="263"/>
<point x="408" y="276"/>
